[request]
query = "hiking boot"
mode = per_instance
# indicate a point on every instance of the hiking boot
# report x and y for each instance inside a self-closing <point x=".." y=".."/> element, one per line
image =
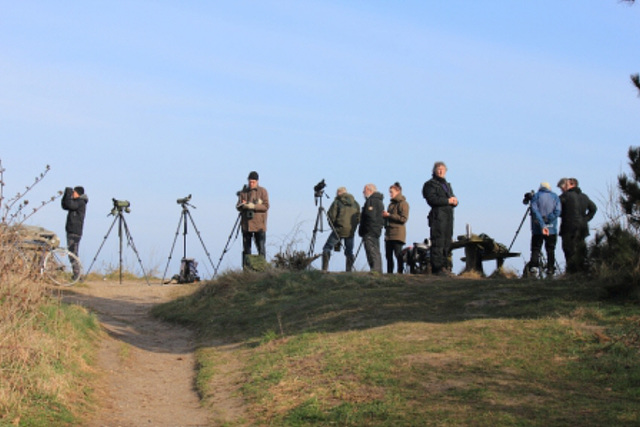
<point x="325" y="260"/>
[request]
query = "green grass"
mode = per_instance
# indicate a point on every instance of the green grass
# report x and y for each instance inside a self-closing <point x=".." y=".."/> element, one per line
<point x="46" y="368"/>
<point x="364" y="349"/>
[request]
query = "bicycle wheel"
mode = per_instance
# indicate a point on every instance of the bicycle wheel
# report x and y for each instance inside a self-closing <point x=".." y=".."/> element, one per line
<point x="14" y="265"/>
<point x="59" y="266"/>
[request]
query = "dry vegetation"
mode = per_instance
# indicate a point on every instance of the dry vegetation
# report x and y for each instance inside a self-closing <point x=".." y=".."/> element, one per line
<point x="45" y="347"/>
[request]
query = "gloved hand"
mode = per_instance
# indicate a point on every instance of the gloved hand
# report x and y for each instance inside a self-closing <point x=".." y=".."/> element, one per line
<point x="249" y="206"/>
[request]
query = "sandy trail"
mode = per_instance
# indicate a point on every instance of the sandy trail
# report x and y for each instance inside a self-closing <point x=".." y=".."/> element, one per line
<point x="149" y="365"/>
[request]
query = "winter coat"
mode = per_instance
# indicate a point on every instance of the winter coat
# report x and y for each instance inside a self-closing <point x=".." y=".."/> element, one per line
<point x="577" y="211"/>
<point x="254" y="218"/>
<point x="371" y="220"/>
<point x="76" y="211"/>
<point x="344" y="214"/>
<point x="545" y="211"/>
<point x="437" y="192"/>
<point x="398" y="216"/>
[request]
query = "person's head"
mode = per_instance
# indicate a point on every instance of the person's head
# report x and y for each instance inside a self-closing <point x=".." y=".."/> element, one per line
<point x="78" y="191"/>
<point x="439" y="169"/>
<point x="253" y="179"/>
<point x="545" y="186"/>
<point x="340" y="191"/>
<point x="573" y="182"/>
<point x="369" y="189"/>
<point x="562" y="184"/>
<point x="395" y="189"/>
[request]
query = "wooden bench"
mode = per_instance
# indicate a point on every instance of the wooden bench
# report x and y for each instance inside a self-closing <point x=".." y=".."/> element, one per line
<point x="479" y="248"/>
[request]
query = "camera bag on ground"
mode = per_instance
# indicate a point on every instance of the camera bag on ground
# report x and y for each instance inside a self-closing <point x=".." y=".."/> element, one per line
<point x="188" y="271"/>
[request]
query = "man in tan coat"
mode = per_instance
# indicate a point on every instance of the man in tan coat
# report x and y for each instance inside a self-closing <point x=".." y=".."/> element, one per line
<point x="253" y="204"/>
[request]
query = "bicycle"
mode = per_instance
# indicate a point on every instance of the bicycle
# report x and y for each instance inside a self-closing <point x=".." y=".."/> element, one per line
<point x="55" y="264"/>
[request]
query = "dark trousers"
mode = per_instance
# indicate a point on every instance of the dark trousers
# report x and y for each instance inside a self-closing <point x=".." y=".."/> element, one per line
<point x="441" y="235"/>
<point x="260" y="238"/>
<point x="393" y="248"/>
<point x="575" y="252"/>
<point x="73" y="245"/>
<point x="537" y="240"/>
<point x="372" y="249"/>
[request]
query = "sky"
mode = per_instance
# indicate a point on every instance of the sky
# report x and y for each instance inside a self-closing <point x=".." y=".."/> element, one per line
<point x="150" y="101"/>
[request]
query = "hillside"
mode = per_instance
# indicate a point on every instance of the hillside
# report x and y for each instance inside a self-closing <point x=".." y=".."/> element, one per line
<point x="352" y="349"/>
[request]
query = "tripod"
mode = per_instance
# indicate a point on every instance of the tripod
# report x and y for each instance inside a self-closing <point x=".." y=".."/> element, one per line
<point x="184" y="202"/>
<point x="524" y="218"/>
<point x="236" y="230"/>
<point x="118" y="207"/>
<point x="319" y="223"/>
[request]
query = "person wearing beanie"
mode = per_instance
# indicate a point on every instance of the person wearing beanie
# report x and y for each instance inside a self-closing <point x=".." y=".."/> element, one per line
<point x="253" y="204"/>
<point x="439" y="195"/>
<point x="343" y="216"/>
<point x="545" y="210"/>
<point x="74" y="200"/>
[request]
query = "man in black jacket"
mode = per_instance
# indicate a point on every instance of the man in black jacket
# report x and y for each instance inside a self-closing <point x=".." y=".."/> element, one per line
<point x="371" y="223"/>
<point x="439" y="195"/>
<point x="577" y="211"/>
<point x="75" y="202"/>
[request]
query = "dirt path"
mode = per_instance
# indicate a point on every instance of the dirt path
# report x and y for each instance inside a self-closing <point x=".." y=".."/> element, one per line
<point x="149" y="365"/>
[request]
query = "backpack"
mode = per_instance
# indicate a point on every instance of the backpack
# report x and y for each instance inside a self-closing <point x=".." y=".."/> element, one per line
<point x="188" y="271"/>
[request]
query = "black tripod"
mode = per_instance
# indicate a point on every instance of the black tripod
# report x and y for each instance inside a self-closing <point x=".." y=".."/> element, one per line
<point x="319" y="192"/>
<point x="118" y="207"/>
<point x="524" y="218"/>
<point x="235" y="230"/>
<point x="184" y="202"/>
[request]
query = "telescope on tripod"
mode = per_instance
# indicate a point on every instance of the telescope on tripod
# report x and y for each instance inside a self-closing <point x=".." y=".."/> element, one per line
<point x="188" y="272"/>
<point x="318" y="193"/>
<point x="118" y="210"/>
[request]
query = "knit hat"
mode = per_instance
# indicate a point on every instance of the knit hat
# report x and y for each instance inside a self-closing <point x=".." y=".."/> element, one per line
<point x="545" y="185"/>
<point x="253" y="175"/>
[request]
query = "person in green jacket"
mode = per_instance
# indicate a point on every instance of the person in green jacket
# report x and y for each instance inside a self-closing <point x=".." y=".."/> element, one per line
<point x="343" y="216"/>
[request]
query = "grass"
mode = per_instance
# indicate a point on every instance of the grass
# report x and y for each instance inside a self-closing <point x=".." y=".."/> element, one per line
<point x="46" y="350"/>
<point x="363" y="349"/>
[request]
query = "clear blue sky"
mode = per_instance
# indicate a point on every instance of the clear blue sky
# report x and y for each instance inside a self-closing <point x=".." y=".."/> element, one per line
<point x="149" y="101"/>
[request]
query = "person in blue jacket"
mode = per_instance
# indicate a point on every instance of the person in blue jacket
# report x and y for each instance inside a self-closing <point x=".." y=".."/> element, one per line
<point x="546" y="208"/>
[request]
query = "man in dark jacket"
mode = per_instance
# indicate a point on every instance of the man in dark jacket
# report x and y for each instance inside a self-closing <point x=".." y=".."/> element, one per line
<point x="344" y="216"/>
<point x="75" y="202"/>
<point x="439" y="195"/>
<point x="577" y="211"/>
<point x="371" y="223"/>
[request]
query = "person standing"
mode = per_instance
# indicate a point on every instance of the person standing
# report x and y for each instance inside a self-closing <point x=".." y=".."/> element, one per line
<point x="545" y="211"/>
<point x="344" y="216"/>
<point x="253" y="204"/>
<point x="577" y="211"/>
<point x="371" y="223"/>
<point x="74" y="201"/>
<point x="440" y="197"/>
<point x="396" y="216"/>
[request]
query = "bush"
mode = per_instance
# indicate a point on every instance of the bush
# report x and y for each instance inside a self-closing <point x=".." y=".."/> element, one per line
<point x="614" y="258"/>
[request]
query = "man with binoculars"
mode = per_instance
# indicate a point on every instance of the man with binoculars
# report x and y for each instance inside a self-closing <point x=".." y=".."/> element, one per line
<point x="253" y="204"/>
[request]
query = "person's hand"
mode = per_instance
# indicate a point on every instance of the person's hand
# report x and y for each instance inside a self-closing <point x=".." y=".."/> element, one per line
<point x="249" y="206"/>
<point x="453" y="201"/>
<point x="545" y="231"/>
<point x="385" y="214"/>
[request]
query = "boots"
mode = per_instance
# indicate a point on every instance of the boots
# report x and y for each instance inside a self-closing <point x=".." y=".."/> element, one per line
<point x="325" y="261"/>
<point x="350" y="260"/>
